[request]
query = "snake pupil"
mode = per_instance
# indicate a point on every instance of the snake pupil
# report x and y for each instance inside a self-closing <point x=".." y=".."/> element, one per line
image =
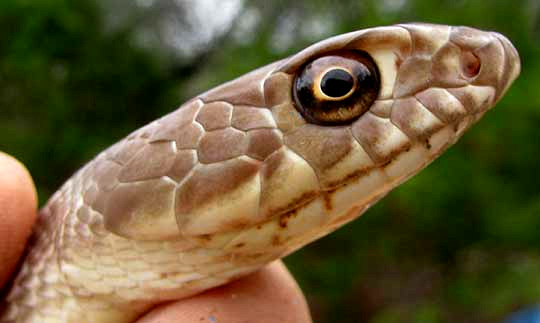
<point x="336" y="83"/>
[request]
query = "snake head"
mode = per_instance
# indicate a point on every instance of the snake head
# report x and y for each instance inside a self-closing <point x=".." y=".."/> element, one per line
<point x="357" y="114"/>
<point x="291" y="151"/>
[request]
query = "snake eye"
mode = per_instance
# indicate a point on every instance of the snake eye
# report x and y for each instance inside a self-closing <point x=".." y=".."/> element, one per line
<point x="336" y="88"/>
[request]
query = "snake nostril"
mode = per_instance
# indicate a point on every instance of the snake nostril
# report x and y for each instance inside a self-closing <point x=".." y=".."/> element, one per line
<point x="470" y="64"/>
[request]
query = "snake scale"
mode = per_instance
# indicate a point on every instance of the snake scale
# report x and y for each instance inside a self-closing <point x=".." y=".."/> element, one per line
<point x="254" y="169"/>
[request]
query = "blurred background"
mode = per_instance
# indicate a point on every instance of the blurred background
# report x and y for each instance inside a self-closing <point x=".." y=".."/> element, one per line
<point x="459" y="242"/>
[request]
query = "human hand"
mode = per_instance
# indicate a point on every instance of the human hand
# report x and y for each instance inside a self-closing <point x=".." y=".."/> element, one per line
<point x="269" y="296"/>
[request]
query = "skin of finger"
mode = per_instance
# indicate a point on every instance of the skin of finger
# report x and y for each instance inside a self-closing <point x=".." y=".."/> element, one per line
<point x="270" y="295"/>
<point x="18" y="204"/>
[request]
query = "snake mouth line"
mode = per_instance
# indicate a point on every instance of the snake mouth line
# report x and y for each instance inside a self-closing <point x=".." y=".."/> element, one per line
<point x="327" y="194"/>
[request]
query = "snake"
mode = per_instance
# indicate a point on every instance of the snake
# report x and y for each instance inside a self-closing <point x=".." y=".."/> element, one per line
<point x="254" y="169"/>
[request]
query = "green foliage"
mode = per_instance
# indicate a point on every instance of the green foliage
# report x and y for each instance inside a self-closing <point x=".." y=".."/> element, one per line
<point x="64" y="84"/>
<point x="457" y="243"/>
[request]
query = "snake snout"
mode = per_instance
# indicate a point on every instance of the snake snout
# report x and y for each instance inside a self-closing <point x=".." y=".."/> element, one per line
<point x="487" y="59"/>
<point x="512" y="66"/>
